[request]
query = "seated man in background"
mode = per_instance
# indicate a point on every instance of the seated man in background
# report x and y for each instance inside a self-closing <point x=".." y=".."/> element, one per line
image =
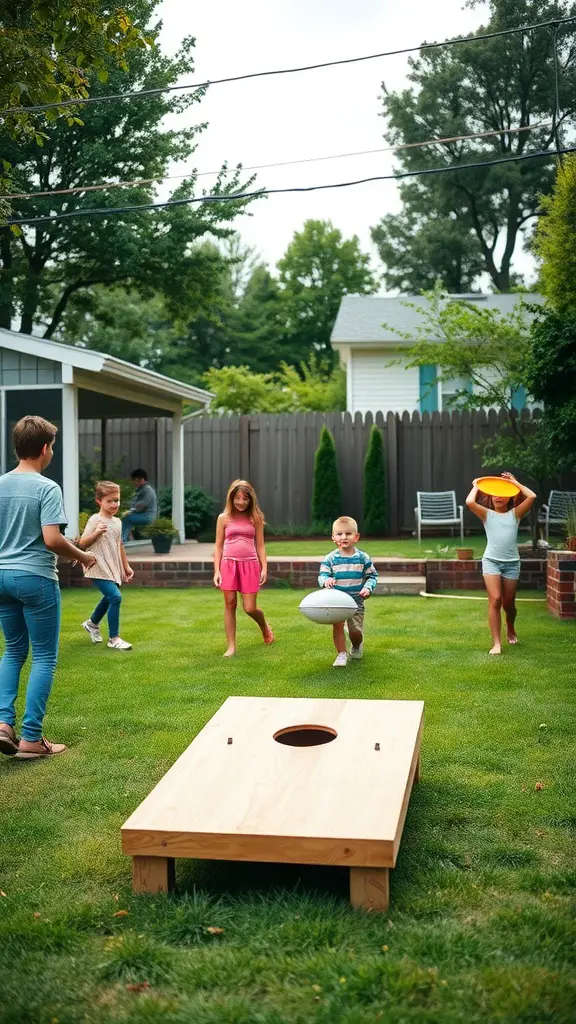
<point x="144" y="507"/>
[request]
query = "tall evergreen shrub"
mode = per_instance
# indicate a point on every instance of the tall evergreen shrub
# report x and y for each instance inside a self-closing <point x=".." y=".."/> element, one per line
<point x="375" y="510"/>
<point x="327" y="495"/>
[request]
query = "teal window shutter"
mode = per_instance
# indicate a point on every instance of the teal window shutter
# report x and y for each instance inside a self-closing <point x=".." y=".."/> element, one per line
<point x="519" y="398"/>
<point x="428" y="389"/>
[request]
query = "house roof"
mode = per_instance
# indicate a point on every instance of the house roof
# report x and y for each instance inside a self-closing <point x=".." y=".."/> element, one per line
<point x="115" y="370"/>
<point x="360" y="317"/>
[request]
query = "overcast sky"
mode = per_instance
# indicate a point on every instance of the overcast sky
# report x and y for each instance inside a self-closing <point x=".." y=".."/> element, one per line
<point x="311" y="114"/>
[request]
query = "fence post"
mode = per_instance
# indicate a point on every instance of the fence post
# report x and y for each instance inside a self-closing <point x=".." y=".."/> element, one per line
<point x="244" y="447"/>
<point x="392" y="472"/>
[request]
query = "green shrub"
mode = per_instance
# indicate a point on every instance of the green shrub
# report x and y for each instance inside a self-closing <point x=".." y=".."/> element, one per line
<point x="327" y="495"/>
<point x="199" y="509"/>
<point x="161" y="527"/>
<point x="375" y="511"/>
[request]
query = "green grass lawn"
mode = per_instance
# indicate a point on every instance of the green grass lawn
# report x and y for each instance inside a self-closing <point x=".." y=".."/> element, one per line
<point x="406" y="547"/>
<point x="481" y="926"/>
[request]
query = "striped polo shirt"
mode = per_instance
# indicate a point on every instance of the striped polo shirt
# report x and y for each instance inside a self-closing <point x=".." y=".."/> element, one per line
<point x="352" y="572"/>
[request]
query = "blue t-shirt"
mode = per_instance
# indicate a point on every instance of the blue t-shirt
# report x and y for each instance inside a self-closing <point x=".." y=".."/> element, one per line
<point x="29" y="501"/>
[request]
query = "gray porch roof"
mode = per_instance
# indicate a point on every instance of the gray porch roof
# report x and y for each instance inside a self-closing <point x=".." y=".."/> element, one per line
<point x="109" y="386"/>
<point x="360" y="317"/>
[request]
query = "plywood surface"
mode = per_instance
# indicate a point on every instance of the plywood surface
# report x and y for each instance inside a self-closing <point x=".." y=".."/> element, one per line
<point x="343" y="802"/>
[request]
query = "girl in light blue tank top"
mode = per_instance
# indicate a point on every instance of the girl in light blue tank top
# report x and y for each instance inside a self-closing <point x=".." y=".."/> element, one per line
<point x="501" y="561"/>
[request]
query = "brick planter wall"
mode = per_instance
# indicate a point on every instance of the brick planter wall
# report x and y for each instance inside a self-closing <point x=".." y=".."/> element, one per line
<point x="441" y="574"/>
<point x="156" y="573"/>
<point x="561" y="584"/>
<point x="445" y="574"/>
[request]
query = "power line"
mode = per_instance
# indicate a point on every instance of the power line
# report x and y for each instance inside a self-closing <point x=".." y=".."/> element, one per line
<point x="287" y="71"/>
<point x="235" y="196"/>
<point x="443" y="140"/>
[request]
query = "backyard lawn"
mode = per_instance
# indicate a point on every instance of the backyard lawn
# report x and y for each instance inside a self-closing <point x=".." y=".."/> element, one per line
<point x="481" y="926"/>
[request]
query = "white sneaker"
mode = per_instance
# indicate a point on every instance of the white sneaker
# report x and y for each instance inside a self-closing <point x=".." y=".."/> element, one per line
<point x="93" y="631"/>
<point x="118" y="644"/>
<point x="357" y="652"/>
<point x="341" y="660"/>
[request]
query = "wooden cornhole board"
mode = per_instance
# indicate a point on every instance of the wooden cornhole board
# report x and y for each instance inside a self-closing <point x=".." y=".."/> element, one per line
<point x="238" y="794"/>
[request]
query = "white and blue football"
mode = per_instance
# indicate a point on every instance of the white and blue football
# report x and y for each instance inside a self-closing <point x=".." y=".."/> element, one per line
<point x="328" y="606"/>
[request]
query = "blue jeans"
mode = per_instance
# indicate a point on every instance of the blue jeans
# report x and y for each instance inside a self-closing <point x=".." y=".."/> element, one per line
<point x="29" y="614"/>
<point x="110" y="603"/>
<point x="133" y="519"/>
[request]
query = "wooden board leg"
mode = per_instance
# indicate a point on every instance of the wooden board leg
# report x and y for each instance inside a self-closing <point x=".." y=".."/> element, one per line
<point x="417" y="772"/>
<point x="370" y="888"/>
<point x="153" y="874"/>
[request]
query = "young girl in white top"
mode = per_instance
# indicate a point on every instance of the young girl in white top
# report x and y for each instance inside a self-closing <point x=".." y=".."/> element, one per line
<point x="501" y="561"/>
<point x="103" y="535"/>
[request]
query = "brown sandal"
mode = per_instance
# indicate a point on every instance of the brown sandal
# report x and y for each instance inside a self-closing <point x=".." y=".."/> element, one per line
<point x="8" y="741"/>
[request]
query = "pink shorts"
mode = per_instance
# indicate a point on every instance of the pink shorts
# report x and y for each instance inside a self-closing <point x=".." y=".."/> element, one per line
<point x="243" y="576"/>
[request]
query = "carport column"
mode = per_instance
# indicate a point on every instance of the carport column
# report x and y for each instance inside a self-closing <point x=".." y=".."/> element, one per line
<point x="70" y="465"/>
<point x="178" y="472"/>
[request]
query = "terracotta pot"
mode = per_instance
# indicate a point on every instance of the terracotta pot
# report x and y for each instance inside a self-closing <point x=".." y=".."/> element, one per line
<point x="464" y="554"/>
<point x="571" y="543"/>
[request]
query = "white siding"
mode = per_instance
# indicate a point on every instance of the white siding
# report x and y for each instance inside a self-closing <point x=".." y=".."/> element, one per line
<point x="378" y="381"/>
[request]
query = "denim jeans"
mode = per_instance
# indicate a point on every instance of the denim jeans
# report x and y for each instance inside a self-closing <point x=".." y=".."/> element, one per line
<point x="29" y="614"/>
<point x="110" y="603"/>
<point x="133" y="519"/>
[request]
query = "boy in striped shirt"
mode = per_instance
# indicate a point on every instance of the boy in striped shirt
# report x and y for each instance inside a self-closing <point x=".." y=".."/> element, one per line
<point x="351" y="570"/>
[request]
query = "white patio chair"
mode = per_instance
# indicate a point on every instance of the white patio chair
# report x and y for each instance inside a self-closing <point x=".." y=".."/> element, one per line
<point x="438" y="508"/>
<point x="555" y="511"/>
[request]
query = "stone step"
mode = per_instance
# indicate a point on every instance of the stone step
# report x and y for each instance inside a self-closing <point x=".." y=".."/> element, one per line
<point x="404" y="584"/>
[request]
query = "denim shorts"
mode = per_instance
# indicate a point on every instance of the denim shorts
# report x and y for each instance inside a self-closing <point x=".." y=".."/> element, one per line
<point x="496" y="567"/>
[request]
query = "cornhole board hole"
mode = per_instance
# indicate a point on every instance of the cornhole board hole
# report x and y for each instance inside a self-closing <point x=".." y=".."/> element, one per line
<point x="293" y="781"/>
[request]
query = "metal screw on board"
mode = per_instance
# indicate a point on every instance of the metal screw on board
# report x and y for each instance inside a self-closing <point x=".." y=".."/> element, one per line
<point x="376" y="746"/>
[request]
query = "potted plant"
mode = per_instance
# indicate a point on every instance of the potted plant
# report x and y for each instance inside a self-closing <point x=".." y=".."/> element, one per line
<point x="464" y="554"/>
<point x="161" y="532"/>
<point x="570" y="527"/>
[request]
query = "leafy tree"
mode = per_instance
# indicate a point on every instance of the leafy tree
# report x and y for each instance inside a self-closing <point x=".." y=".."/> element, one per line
<point x="318" y="268"/>
<point x="551" y="360"/>
<point x="327" y="493"/>
<point x="310" y="387"/>
<point x="49" y="47"/>
<point x="314" y="386"/>
<point x="419" y="250"/>
<point x="122" y="324"/>
<point x="490" y="350"/>
<point x="236" y="389"/>
<point x="151" y="251"/>
<point x="494" y="85"/>
<point x="254" y="326"/>
<point x="375" y="495"/>
<point x="554" y="239"/>
<point x="551" y="378"/>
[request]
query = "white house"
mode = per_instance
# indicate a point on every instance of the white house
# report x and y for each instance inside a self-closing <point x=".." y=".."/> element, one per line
<point x="65" y="384"/>
<point x="374" y="356"/>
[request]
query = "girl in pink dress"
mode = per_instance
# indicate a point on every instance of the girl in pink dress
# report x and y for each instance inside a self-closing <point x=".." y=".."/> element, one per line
<point x="240" y="559"/>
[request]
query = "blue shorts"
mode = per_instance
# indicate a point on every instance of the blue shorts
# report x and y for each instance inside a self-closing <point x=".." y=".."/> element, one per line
<point x="496" y="567"/>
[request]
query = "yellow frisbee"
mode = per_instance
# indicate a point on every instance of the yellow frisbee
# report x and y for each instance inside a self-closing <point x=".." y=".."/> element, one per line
<point x="497" y="487"/>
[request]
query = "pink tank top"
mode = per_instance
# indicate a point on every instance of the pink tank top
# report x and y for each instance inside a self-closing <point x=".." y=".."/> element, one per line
<point x="239" y="540"/>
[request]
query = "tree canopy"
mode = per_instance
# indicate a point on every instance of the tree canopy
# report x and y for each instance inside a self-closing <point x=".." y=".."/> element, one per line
<point x="318" y="268"/>
<point x="49" y="49"/>
<point x="554" y="241"/>
<point x="461" y="223"/>
<point x="160" y="251"/>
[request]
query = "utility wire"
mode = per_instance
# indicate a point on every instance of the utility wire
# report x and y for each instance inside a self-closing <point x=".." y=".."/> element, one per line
<point x="235" y="196"/>
<point x="286" y="71"/>
<point x="283" y="163"/>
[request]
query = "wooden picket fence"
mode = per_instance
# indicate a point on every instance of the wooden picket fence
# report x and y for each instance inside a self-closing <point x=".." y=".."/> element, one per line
<point x="429" y="452"/>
